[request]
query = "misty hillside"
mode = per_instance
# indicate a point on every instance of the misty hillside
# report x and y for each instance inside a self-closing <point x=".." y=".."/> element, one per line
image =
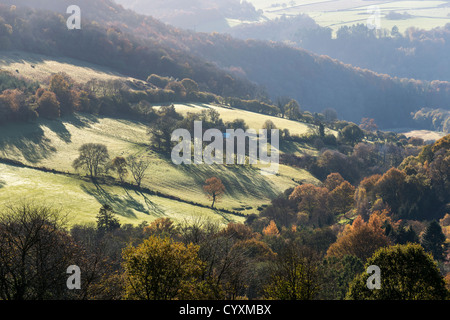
<point x="316" y="82"/>
<point x="199" y="15"/>
<point x="415" y="53"/>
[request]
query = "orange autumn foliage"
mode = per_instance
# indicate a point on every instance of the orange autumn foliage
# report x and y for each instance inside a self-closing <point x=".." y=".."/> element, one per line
<point x="361" y="239"/>
<point x="271" y="229"/>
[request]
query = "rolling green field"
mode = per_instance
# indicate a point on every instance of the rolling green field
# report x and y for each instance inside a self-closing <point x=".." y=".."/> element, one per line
<point x="54" y="144"/>
<point x="337" y="13"/>
<point x="81" y="200"/>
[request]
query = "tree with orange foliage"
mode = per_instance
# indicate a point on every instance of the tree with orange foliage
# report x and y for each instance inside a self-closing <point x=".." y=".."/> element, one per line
<point x="368" y="124"/>
<point x="333" y="180"/>
<point x="309" y="196"/>
<point x="271" y="229"/>
<point x="361" y="239"/>
<point x="313" y="200"/>
<point x="214" y="189"/>
<point x="61" y="86"/>
<point x="48" y="105"/>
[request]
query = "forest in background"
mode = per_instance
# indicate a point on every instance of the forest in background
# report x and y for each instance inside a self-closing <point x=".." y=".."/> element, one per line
<point x="273" y="69"/>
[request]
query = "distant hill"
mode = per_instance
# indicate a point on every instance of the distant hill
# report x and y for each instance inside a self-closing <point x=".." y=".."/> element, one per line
<point x="104" y="41"/>
<point x="198" y="15"/>
<point x="221" y="64"/>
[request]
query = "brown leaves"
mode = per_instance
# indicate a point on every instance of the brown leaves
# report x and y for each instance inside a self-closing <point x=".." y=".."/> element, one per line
<point x="361" y="239"/>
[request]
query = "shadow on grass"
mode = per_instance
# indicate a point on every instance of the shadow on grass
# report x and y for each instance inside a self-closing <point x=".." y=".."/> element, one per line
<point x="223" y="215"/>
<point x="151" y="205"/>
<point x="122" y="206"/>
<point x="29" y="140"/>
<point x="2" y="184"/>
<point x="239" y="180"/>
<point x="79" y="121"/>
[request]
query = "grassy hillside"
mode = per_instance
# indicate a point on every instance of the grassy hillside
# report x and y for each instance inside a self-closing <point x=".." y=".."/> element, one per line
<point x="81" y="200"/>
<point x="54" y="144"/>
<point x="39" y="67"/>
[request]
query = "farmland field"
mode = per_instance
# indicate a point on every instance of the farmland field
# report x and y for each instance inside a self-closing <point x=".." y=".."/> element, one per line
<point x="337" y="13"/>
<point x="80" y="200"/>
<point x="54" y="144"/>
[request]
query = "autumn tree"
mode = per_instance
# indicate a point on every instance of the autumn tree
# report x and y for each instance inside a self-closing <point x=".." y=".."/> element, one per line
<point x="271" y="229"/>
<point x="178" y="88"/>
<point x="161" y="269"/>
<point x="48" y="105"/>
<point x="161" y="227"/>
<point x="312" y="200"/>
<point x="158" y="81"/>
<point x="93" y="158"/>
<point x="14" y="106"/>
<point x="333" y="180"/>
<point x="190" y="85"/>
<point x="407" y="273"/>
<point x="61" y="86"/>
<point x="360" y="239"/>
<point x="392" y="187"/>
<point x="214" y="189"/>
<point x="368" y="124"/>
<point x="341" y="198"/>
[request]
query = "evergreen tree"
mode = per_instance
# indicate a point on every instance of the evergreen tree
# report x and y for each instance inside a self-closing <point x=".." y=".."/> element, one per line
<point x="433" y="240"/>
<point x="106" y="220"/>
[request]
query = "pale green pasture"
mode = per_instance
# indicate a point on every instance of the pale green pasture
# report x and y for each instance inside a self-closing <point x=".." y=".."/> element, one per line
<point x="81" y="200"/>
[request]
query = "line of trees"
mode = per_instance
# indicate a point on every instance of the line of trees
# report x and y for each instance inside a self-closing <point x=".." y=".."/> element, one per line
<point x="95" y="160"/>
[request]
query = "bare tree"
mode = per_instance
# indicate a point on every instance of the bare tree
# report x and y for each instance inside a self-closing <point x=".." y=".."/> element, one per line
<point x="34" y="253"/>
<point x="137" y="168"/>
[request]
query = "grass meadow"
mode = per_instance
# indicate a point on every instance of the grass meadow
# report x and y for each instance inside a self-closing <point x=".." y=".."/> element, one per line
<point x="337" y="13"/>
